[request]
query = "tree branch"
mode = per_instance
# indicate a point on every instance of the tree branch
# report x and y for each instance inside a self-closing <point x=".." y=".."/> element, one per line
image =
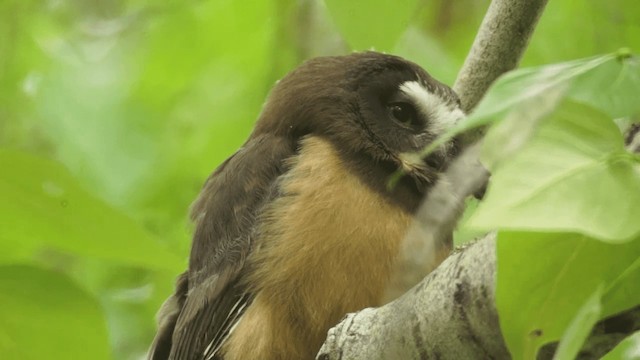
<point x="501" y="41"/>
<point x="451" y="315"/>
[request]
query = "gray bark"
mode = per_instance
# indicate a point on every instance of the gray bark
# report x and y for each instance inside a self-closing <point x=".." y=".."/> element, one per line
<point x="498" y="47"/>
<point x="449" y="315"/>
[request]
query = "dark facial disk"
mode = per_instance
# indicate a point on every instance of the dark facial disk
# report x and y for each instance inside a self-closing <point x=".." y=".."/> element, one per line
<point x="377" y="109"/>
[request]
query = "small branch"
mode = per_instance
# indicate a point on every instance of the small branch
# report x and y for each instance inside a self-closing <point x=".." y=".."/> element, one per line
<point x="498" y="47"/>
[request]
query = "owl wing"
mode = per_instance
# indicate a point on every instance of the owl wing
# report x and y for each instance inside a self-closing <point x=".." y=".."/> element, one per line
<point x="210" y="297"/>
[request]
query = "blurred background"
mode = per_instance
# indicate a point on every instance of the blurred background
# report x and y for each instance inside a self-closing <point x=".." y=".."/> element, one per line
<point x="113" y="113"/>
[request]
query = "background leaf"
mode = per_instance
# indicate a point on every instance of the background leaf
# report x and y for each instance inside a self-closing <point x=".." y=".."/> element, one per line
<point x="68" y="325"/>
<point x="375" y="24"/>
<point x="45" y="208"/>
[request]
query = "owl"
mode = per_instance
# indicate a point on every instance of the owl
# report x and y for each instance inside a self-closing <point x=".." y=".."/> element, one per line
<point x="300" y="226"/>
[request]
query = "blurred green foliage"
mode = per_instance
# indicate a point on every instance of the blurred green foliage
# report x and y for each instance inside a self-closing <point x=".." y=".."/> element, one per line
<point x="113" y="112"/>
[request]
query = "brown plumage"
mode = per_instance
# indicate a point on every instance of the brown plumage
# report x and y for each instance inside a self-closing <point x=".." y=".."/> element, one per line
<point x="298" y="227"/>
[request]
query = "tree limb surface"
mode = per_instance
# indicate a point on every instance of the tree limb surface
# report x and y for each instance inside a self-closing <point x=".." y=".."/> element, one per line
<point x="449" y="315"/>
<point x="498" y="47"/>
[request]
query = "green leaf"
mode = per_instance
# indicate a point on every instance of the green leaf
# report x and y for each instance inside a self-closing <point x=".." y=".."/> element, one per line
<point x="623" y="290"/>
<point x="573" y="175"/>
<point x="521" y="85"/>
<point x="544" y="278"/>
<point x="371" y="24"/>
<point x="575" y="29"/>
<point x="627" y="349"/>
<point x="580" y="327"/>
<point x="608" y="83"/>
<point x="612" y="87"/>
<point x="44" y="208"/>
<point x="518" y="126"/>
<point x="534" y="91"/>
<point x="43" y="315"/>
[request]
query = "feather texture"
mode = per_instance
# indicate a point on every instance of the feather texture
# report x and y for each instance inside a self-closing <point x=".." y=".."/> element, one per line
<point x="299" y="227"/>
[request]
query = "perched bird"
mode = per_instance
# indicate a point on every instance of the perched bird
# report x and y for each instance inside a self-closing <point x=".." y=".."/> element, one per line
<point x="299" y="226"/>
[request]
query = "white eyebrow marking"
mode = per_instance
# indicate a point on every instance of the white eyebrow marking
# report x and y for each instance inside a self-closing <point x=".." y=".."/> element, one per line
<point x="440" y="114"/>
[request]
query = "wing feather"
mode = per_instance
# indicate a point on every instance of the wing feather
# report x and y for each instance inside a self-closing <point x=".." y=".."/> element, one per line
<point x="225" y="216"/>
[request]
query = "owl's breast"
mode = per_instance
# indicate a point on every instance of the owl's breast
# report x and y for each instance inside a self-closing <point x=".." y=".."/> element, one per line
<point x="328" y="236"/>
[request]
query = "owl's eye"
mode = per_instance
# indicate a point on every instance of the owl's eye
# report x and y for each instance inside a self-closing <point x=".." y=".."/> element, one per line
<point x="404" y="113"/>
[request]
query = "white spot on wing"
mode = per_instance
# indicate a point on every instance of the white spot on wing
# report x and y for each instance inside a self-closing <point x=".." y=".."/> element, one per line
<point x="441" y="115"/>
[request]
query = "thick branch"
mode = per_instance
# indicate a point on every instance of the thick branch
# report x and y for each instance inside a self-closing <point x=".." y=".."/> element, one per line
<point x="451" y="315"/>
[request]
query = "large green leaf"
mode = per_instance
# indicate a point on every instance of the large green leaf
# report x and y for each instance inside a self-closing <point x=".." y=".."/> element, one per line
<point x="573" y="175"/>
<point x="608" y="83"/>
<point x="580" y="327"/>
<point x="372" y="24"/>
<point x="624" y="290"/>
<point x="44" y="208"/>
<point x="545" y="278"/>
<point x="627" y="349"/>
<point x="611" y="87"/>
<point x="521" y="85"/>
<point x="43" y="315"/>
